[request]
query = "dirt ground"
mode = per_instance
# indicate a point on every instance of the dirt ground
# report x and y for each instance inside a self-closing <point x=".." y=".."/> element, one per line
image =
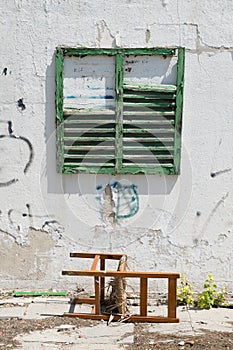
<point x="143" y="340"/>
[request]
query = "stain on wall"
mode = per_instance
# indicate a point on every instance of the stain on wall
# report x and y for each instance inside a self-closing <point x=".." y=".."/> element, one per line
<point x="26" y="262"/>
<point x="118" y="201"/>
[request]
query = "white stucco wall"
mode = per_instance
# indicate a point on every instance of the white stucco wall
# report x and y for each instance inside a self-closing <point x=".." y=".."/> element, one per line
<point x="184" y="223"/>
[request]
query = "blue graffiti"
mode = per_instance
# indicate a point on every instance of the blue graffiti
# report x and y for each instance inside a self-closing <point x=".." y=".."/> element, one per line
<point x="125" y="198"/>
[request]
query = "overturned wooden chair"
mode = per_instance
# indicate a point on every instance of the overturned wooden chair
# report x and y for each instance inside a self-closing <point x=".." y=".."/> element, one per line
<point x="120" y="275"/>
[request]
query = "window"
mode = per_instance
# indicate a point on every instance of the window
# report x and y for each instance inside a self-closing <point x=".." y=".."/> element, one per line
<point x="119" y="111"/>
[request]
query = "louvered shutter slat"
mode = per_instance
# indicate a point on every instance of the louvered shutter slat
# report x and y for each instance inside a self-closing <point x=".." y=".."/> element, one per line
<point x="86" y="138"/>
<point x="152" y="130"/>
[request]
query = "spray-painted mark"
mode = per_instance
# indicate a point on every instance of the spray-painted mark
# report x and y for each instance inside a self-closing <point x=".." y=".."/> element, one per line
<point x="31" y="155"/>
<point x="8" y="233"/>
<point x="213" y="211"/>
<point x="49" y="222"/>
<point x="9" y="216"/>
<point x="20" y="221"/>
<point x="4" y="72"/>
<point x="147" y="35"/>
<point x="125" y="198"/>
<point x="8" y="183"/>
<point x="216" y="173"/>
<point x="11" y="136"/>
<point x="21" y="105"/>
<point x="10" y="130"/>
<point x="128" y="69"/>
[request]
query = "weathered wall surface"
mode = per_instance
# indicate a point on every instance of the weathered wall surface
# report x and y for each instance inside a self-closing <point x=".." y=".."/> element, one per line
<point x="178" y="223"/>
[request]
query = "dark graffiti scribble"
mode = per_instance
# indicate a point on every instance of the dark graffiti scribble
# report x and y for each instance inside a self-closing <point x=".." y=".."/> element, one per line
<point x="9" y="216"/>
<point x="216" y="173"/>
<point x="21" y="104"/>
<point x="47" y="223"/>
<point x="8" y="233"/>
<point x="4" y="72"/>
<point x="10" y="130"/>
<point x="21" y="138"/>
<point x="8" y="183"/>
<point x="31" y="156"/>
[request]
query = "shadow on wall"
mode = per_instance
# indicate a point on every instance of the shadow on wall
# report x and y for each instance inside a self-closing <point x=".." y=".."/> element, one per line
<point x="85" y="183"/>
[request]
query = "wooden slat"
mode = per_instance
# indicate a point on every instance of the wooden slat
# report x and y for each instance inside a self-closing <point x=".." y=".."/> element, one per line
<point x="172" y="287"/>
<point x="165" y="169"/>
<point x="147" y="96"/>
<point x="83" y="163"/>
<point x="102" y="280"/>
<point x="90" y="301"/>
<point x="146" y="156"/>
<point x="95" y="262"/>
<point x="83" y="51"/>
<point x="145" y="87"/>
<point x="90" y="255"/>
<point x="119" y="71"/>
<point x="135" y="318"/>
<point x="145" y="113"/>
<point x="95" y="122"/>
<point x="147" y="148"/>
<point x="97" y="147"/>
<point x="149" y="104"/>
<point x="88" y="112"/>
<point x="129" y="274"/>
<point x="152" y="131"/>
<point x="89" y="156"/>
<point x="148" y="139"/>
<point x="79" y="130"/>
<point x="148" y="122"/>
<point x="143" y="296"/>
<point x="67" y="169"/>
<point x="86" y="138"/>
<point x="97" y="295"/>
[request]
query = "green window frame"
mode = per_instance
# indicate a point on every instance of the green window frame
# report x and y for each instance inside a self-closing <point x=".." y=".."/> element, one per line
<point x="150" y="144"/>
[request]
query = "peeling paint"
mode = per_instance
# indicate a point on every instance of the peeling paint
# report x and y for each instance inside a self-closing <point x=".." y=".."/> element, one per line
<point x="118" y="201"/>
<point x="147" y="36"/>
<point x="26" y="262"/>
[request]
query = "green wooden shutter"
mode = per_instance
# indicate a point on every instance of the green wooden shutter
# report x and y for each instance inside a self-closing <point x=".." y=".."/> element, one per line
<point x="141" y="135"/>
<point x="149" y="119"/>
<point x="152" y="116"/>
<point x="88" y="132"/>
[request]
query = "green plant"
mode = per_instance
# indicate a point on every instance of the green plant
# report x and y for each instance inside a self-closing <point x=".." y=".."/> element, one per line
<point x="210" y="296"/>
<point x="185" y="292"/>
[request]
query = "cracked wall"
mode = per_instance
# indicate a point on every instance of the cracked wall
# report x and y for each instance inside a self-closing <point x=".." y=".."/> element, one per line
<point x="179" y="223"/>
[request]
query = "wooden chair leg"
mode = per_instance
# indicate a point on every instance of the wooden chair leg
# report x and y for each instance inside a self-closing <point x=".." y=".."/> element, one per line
<point x="102" y="281"/>
<point x="97" y="295"/>
<point x="143" y="296"/>
<point x="172" y="297"/>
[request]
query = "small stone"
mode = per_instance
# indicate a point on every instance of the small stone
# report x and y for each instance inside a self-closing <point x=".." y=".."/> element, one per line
<point x="190" y="342"/>
<point x="181" y="343"/>
<point x="65" y="327"/>
<point x="151" y="342"/>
